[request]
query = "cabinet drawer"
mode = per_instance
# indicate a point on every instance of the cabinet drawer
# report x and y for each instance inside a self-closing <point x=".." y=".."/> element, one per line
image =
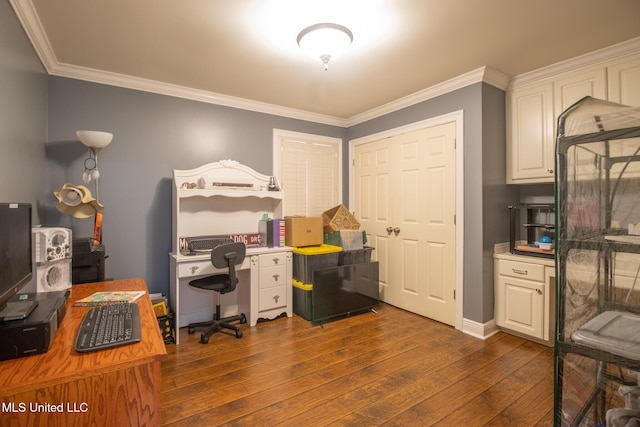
<point x="196" y="268"/>
<point x="272" y="276"/>
<point x="203" y="267"/>
<point x="273" y="297"/>
<point x="522" y="270"/>
<point x="278" y="258"/>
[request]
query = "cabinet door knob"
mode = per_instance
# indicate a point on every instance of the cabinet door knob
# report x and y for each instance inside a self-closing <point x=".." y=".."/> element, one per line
<point x="276" y="298"/>
<point x="194" y="269"/>
<point x="389" y="230"/>
<point x="539" y="291"/>
<point x="275" y="277"/>
<point x="550" y="170"/>
<point x="396" y="230"/>
<point x="276" y="260"/>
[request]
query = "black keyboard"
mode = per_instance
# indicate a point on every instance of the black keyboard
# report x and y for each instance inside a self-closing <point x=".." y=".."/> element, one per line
<point x="109" y="326"/>
<point x="206" y="245"/>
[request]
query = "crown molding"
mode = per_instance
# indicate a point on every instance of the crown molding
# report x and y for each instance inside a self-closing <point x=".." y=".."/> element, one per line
<point x="595" y="58"/>
<point x="146" y="85"/>
<point x="482" y="74"/>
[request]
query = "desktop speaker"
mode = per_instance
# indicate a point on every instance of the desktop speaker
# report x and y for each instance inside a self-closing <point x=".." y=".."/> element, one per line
<point x="54" y="276"/>
<point x="51" y="244"/>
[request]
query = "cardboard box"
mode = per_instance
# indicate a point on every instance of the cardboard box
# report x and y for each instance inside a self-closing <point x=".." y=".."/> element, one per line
<point x="339" y="218"/>
<point x="303" y="231"/>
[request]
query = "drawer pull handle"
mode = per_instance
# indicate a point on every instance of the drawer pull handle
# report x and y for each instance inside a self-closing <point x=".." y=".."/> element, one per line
<point x="276" y="298"/>
<point x="523" y="272"/>
<point x="194" y="269"/>
<point x="276" y="260"/>
<point x="275" y="277"/>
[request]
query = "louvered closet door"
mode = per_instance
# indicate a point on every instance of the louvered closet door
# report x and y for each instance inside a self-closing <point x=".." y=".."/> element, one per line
<point x="405" y="200"/>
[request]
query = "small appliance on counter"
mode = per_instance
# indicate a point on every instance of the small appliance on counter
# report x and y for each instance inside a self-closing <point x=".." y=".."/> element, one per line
<point x="88" y="262"/>
<point x="532" y="229"/>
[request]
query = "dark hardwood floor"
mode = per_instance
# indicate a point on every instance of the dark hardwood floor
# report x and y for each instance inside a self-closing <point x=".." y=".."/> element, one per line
<point x="385" y="368"/>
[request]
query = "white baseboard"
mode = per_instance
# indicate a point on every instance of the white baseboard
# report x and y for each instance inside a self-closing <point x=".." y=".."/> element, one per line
<point x="479" y="330"/>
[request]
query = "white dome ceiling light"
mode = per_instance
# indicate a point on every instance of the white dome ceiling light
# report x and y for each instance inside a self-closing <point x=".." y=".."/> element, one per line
<point x="325" y="41"/>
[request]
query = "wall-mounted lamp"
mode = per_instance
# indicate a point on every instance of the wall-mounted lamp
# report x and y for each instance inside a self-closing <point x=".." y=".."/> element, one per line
<point x="325" y="41"/>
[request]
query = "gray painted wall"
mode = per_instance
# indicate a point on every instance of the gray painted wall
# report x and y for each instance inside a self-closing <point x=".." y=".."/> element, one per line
<point x="496" y="195"/>
<point x="153" y="135"/>
<point x="23" y="117"/>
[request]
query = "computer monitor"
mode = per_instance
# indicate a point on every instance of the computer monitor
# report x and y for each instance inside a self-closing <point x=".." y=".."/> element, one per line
<point x="16" y="259"/>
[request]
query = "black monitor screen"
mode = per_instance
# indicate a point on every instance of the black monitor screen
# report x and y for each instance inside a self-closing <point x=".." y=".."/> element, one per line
<point x="15" y="248"/>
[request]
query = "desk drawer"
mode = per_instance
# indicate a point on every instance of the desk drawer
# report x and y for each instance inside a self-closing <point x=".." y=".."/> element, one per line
<point x="196" y="268"/>
<point x="272" y="276"/>
<point x="273" y="259"/>
<point x="203" y="267"/>
<point x="272" y="298"/>
<point x="522" y="270"/>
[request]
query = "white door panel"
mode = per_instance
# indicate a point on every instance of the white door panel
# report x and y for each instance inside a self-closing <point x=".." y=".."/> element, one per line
<point x="409" y="212"/>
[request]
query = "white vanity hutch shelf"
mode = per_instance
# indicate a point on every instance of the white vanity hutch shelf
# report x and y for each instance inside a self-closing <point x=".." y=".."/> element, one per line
<point x="222" y="199"/>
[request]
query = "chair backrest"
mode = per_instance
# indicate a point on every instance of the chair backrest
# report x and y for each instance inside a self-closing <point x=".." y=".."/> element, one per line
<point x="228" y="256"/>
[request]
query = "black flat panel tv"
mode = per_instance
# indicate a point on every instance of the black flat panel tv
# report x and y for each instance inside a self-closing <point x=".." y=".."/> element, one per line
<point x="344" y="291"/>
<point x="16" y="256"/>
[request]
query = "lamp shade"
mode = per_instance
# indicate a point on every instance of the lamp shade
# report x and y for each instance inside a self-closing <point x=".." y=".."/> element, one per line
<point x="77" y="201"/>
<point x="94" y="138"/>
<point x="325" y="41"/>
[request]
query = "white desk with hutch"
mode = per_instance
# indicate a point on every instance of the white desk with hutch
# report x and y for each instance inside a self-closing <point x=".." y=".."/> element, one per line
<point x="207" y="203"/>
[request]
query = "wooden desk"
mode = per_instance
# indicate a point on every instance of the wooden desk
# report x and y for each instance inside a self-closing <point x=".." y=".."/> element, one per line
<point x="112" y="387"/>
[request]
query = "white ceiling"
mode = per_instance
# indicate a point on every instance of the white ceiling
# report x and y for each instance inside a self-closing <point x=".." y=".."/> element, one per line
<point x="245" y="50"/>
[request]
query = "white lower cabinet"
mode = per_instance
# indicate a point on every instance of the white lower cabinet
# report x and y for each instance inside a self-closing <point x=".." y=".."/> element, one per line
<point x="525" y="296"/>
<point x="274" y="284"/>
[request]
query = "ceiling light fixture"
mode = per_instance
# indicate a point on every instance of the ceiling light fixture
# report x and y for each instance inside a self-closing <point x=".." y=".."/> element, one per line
<point x="325" y="41"/>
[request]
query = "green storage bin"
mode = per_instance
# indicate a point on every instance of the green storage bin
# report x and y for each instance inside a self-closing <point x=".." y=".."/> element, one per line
<point x="309" y="258"/>
<point x="357" y="256"/>
<point x="302" y="304"/>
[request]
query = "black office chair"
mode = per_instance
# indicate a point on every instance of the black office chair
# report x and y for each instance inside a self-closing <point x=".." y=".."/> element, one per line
<point x="227" y="255"/>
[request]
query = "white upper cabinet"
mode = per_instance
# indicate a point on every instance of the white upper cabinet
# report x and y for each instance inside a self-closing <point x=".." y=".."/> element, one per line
<point x="531" y="122"/>
<point x="624" y="81"/>
<point x="533" y="106"/>
<point x="530" y="140"/>
<point x="569" y="89"/>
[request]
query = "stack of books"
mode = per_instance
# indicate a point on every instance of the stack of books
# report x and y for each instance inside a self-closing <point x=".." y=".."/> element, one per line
<point x="272" y="232"/>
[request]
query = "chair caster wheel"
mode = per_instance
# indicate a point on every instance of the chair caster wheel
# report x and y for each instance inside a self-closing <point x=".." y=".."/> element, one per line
<point x="238" y="334"/>
<point x="244" y="319"/>
<point x="192" y="330"/>
<point x="204" y="339"/>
